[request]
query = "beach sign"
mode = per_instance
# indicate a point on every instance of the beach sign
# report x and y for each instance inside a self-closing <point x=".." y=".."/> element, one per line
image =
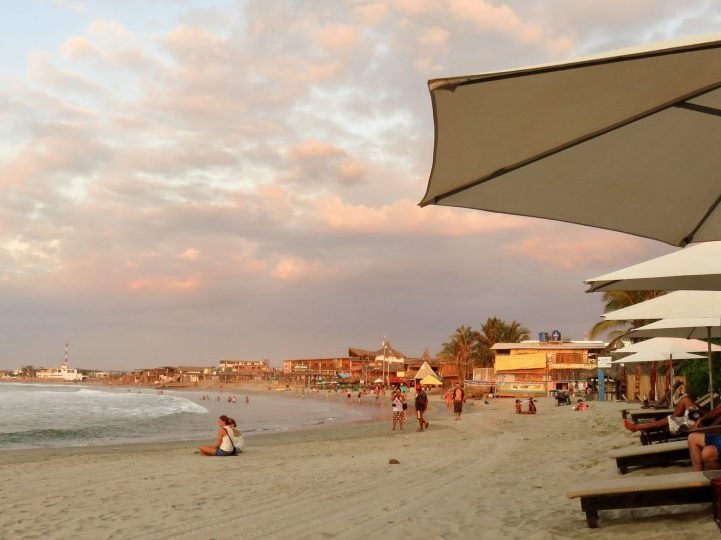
<point x="604" y="362"/>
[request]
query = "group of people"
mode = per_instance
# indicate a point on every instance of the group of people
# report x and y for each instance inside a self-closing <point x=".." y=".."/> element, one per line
<point x="399" y="406"/>
<point x="704" y="446"/>
<point x="229" y="441"/>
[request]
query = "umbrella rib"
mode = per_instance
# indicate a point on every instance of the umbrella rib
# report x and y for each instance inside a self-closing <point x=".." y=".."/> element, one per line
<point x="576" y="142"/>
<point x="688" y="239"/>
<point x="699" y="108"/>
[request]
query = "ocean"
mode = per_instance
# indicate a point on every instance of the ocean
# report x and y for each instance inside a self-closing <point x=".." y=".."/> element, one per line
<point x="39" y="415"/>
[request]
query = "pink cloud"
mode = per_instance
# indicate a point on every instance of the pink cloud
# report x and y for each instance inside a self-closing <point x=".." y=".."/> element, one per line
<point x="339" y="36"/>
<point x="406" y="217"/>
<point x="295" y="269"/>
<point x="190" y="254"/>
<point x="585" y="248"/>
<point x="166" y="285"/>
<point x="371" y="14"/>
<point x="434" y="37"/>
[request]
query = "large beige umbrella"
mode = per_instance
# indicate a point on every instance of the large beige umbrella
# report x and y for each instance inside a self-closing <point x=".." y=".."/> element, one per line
<point x="697" y="267"/>
<point x="626" y="141"/>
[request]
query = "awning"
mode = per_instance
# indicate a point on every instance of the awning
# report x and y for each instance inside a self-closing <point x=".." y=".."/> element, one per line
<point x="513" y="362"/>
<point x="343" y="375"/>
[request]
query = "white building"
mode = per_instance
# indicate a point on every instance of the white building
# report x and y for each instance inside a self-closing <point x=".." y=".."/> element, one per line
<point x="63" y="373"/>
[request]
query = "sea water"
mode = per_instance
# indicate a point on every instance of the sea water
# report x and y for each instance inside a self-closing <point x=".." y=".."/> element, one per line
<point x="38" y="415"/>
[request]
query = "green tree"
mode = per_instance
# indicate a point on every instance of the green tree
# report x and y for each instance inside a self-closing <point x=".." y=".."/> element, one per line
<point x="614" y="300"/>
<point x="461" y="350"/>
<point x="496" y="330"/>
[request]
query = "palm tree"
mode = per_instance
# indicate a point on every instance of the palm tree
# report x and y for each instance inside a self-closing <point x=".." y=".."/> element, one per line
<point x="515" y="333"/>
<point x="614" y="300"/>
<point x="496" y="330"/>
<point x="461" y="350"/>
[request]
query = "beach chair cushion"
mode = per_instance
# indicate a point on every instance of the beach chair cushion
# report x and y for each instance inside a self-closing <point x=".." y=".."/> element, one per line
<point x="643" y="491"/>
<point x="636" y="450"/>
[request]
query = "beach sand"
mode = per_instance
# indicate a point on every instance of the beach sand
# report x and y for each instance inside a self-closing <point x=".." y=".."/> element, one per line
<point x="494" y="474"/>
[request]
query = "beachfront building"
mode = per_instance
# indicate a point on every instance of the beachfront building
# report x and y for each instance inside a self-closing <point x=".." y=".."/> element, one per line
<point x="361" y="366"/>
<point x="243" y="370"/>
<point x="62" y="373"/>
<point x="534" y="368"/>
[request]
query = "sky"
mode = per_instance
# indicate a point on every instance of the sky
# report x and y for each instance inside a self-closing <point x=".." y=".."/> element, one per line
<point x="184" y="181"/>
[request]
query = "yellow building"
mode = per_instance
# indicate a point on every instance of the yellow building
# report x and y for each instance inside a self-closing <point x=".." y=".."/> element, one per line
<point x="534" y="368"/>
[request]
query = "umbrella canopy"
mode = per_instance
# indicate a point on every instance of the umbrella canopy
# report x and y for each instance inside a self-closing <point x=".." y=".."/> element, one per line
<point x="653" y="357"/>
<point x="697" y="267"/>
<point x="431" y="380"/>
<point x="677" y="304"/>
<point x="563" y="141"/>
<point x="688" y="328"/>
<point x="667" y="347"/>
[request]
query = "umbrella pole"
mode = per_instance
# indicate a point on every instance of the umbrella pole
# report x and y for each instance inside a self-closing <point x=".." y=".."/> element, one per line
<point x="710" y="365"/>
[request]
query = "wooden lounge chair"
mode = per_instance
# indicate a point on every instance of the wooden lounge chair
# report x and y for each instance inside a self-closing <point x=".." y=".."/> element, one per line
<point x="643" y="491"/>
<point x="646" y="456"/>
<point x="638" y="416"/>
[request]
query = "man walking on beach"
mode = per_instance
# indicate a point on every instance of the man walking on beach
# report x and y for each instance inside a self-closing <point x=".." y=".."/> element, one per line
<point x="421" y="405"/>
<point x="459" y="398"/>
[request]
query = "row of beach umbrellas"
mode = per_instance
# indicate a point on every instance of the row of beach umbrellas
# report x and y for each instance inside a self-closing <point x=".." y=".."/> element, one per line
<point x="625" y="141"/>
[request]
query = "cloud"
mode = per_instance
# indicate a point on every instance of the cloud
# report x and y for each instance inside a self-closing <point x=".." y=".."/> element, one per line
<point x="316" y="161"/>
<point x="585" y="248"/>
<point x="405" y="217"/>
<point x="225" y="165"/>
<point x="164" y="285"/>
<point x="337" y="37"/>
<point x="190" y="254"/>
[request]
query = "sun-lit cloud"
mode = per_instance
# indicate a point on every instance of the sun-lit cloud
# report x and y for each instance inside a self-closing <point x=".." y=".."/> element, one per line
<point x="190" y="254"/>
<point x="585" y="249"/>
<point x="405" y="217"/>
<point x="168" y="285"/>
<point x="228" y="164"/>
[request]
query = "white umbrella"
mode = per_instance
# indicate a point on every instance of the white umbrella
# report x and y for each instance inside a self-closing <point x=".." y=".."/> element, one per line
<point x="668" y="346"/>
<point x="677" y="304"/>
<point x="688" y="328"/>
<point x="626" y="141"/>
<point x="668" y="349"/>
<point x="653" y="357"/>
<point x="697" y="267"/>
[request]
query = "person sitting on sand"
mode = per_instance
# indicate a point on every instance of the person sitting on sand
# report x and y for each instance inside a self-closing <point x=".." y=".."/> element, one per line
<point x="238" y="436"/>
<point x="531" y="406"/>
<point x="581" y="406"/>
<point x="224" y="443"/>
<point x="519" y="407"/>
<point x="684" y="416"/>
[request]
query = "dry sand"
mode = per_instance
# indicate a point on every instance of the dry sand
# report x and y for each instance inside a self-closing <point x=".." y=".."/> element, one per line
<point x="492" y="475"/>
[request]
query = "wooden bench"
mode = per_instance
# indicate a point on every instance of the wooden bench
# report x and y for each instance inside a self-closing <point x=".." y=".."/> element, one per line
<point x="646" y="456"/>
<point x="643" y="491"/>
